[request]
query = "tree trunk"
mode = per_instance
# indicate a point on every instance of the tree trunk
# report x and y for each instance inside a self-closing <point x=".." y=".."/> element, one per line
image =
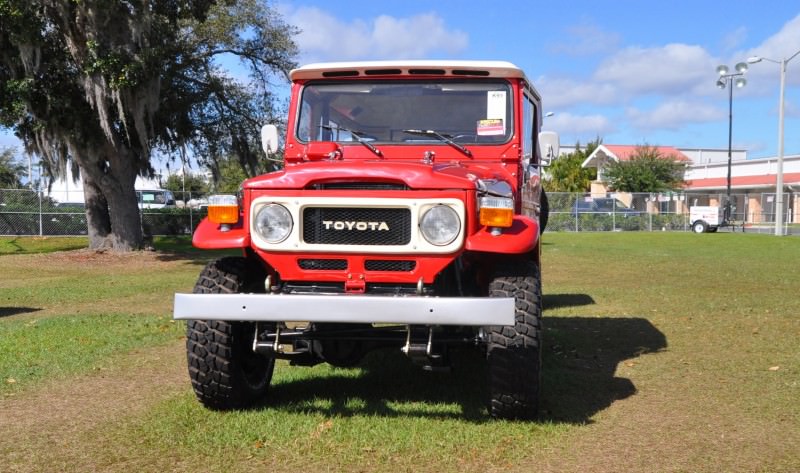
<point x="112" y="209"/>
<point x="123" y="207"/>
<point x="97" y="218"/>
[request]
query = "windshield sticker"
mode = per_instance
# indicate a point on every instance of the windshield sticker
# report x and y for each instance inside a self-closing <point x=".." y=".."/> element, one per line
<point x="491" y="127"/>
<point x="496" y="104"/>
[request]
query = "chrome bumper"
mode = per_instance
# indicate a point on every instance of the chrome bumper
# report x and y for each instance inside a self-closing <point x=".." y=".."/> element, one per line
<point x="346" y="308"/>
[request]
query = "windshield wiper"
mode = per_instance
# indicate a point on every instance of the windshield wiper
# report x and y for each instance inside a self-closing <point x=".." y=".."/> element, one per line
<point x="356" y="135"/>
<point x="441" y="137"/>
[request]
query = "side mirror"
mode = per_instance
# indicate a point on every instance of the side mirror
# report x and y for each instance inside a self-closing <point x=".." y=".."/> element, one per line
<point x="548" y="146"/>
<point x="269" y="139"/>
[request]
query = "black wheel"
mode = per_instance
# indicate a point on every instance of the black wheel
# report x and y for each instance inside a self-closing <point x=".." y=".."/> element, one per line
<point x="544" y="212"/>
<point x="699" y="227"/>
<point x="514" y="353"/>
<point x="225" y="372"/>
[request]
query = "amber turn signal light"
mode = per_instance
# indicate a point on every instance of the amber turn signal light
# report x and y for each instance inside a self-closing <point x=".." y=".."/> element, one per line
<point x="223" y="209"/>
<point x="496" y="212"/>
<point x="497" y="217"/>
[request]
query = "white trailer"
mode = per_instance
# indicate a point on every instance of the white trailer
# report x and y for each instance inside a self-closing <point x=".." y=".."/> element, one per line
<point x="705" y="218"/>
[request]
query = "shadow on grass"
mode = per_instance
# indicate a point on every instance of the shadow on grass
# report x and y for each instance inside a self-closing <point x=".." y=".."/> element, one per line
<point x="390" y="386"/>
<point x="179" y="248"/>
<point x="9" y="311"/>
<point x="17" y="248"/>
<point x="556" y="301"/>
<point x="581" y="355"/>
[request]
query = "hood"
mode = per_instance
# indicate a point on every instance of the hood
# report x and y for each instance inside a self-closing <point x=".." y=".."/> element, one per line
<point x="414" y="175"/>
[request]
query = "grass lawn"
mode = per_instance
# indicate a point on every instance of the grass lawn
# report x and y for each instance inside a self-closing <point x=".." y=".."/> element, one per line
<point x="663" y="352"/>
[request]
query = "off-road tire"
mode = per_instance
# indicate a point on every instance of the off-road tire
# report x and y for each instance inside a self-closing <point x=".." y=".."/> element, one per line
<point x="225" y="372"/>
<point x="514" y="353"/>
<point x="544" y="211"/>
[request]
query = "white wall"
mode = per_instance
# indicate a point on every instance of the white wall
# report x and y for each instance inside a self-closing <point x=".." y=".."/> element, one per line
<point x="708" y="155"/>
<point x="66" y="189"/>
<point x="746" y="167"/>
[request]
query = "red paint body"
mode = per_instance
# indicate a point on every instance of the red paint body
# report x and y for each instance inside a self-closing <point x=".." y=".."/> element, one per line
<point x="323" y="169"/>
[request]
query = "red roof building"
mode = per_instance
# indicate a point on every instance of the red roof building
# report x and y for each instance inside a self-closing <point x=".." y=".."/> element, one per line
<point x="752" y="185"/>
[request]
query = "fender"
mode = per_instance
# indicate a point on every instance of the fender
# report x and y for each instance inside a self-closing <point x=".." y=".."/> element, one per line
<point x="521" y="237"/>
<point x="208" y="236"/>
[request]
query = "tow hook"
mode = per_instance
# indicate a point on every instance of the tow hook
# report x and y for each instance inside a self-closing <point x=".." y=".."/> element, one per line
<point x="421" y="352"/>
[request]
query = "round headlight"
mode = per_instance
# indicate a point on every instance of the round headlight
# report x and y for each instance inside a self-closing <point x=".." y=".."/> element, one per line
<point x="440" y="225"/>
<point x="273" y="223"/>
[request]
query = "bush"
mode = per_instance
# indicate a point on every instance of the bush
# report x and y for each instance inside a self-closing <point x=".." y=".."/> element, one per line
<point x="670" y="222"/>
<point x="171" y="221"/>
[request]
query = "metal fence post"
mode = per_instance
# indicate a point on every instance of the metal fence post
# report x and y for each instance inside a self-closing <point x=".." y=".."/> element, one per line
<point x="39" y="196"/>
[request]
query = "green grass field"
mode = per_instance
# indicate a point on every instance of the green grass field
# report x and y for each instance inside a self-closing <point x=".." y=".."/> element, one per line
<point x="663" y="352"/>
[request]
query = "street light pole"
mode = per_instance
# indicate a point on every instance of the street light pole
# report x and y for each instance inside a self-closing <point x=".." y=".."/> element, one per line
<point x="779" y="170"/>
<point x="727" y="214"/>
<point x="729" y="80"/>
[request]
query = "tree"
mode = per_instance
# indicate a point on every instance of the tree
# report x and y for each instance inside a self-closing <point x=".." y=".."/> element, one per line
<point x="565" y="173"/>
<point x="191" y="183"/>
<point x="100" y="84"/>
<point x="646" y="171"/>
<point x="230" y="177"/>
<point x="228" y="173"/>
<point x="11" y="170"/>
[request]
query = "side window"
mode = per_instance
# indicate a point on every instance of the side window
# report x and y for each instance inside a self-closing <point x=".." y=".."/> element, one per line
<point x="304" y="127"/>
<point x="528" y="119"/>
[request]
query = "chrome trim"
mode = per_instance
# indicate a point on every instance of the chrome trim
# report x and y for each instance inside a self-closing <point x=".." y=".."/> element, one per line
<point x="417" y="245"/>
<point x="346" y="308"/>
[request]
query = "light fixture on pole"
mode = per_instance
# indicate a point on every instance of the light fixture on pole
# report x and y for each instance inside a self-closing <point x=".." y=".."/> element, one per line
<point x="730" y="80"/>
<point x="779" y="171"/>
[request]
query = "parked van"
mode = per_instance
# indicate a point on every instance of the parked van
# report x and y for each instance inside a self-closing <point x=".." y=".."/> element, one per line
<point x="155" y="199"/>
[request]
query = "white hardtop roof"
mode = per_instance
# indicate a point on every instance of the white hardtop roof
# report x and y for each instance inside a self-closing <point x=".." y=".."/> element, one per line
<point x="411" y="67"/>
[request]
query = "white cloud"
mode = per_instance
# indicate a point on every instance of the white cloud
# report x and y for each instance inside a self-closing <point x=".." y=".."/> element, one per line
<point x="783" y="43"/>
<point x="734" y="39"/>
<point x="585" y="39"/>
<point x="673" y="115"/>
<point x="562" y="92"/>
<point x="765" y="76"/>
<point x="570" y="125"/>
<point x="324" y="37"/>
<point x="8" y="140"/>
<point x="669" y="69"/>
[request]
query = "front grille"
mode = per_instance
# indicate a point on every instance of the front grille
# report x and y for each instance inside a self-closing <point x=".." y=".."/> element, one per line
<point x="356" y="226"/>
<point x="389" y="265"/>
<point x="322" y="264"/>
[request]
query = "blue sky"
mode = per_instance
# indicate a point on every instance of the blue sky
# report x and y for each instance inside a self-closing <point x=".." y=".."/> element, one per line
<point x="630" y="72"/>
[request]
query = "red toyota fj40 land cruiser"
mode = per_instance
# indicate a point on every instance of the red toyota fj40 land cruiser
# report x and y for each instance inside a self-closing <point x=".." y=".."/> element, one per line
<point x="408" y="213"/>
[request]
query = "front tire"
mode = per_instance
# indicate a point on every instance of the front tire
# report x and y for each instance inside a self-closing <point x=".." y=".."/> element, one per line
<point x="544" y="213"/>
<point x="514" y="353"/>
<point x="225" y="372"/>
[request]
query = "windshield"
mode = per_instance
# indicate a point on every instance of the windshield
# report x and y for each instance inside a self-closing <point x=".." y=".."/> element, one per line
<point x="468" y="112"/>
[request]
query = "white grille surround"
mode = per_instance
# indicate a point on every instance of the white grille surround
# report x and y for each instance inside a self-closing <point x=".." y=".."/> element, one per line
<point x="417" y="207"/>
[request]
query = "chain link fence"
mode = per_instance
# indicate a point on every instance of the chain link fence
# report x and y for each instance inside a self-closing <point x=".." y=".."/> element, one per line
<point x="24" y="212"/>
<point x="622" y="211"/>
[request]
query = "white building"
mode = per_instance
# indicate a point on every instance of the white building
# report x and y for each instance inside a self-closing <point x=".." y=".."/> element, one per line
<point x="66" y="189"/>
